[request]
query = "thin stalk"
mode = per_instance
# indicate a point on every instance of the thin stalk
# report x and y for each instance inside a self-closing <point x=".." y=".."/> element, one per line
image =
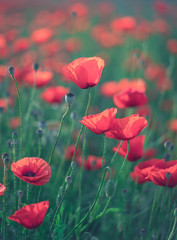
<point x="59" y="132"/>
<point x="152" y="210"/>
<point x="4" y="203"/>
<point x="173" y="229"/>
<point x="39" y="147"/>
<point x="28" y="189"/>
<point x="21" y="113"/>
<point x="115" y="154"/>
<point x="15" y="179"/>
<point x="92" y="206"/>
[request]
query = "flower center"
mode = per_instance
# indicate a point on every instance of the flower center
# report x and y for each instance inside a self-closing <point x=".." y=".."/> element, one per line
<point x="29" y="174"/>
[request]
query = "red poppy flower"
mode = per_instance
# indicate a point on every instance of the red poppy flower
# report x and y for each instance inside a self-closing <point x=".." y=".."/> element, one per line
<point x="70" y="152"/>
<point x="141" y="171"/>
<point x="21" y="45"/>
<point x="84" y="72"/>
<point x="91" y="163"/>
<point x="101" y="122"/>
<point x="150" y="153"/>
<point x="172" y="125"/>
<point x="126" y="128"/>
<point x="4" y="104"/>
<point x="72" y="44"/>
<point x="161" y="7"/>
<point x="80" y="9"/>
<point x="123" y="24"/>
<point x="2" y="189"/>
<point x="42" y="78"/>
<point x="41" y="35"/>
<point x="130" y="98"/>
<point x="54" y="94"/>
<point x="14" y="123"/>
<point x="135" y="148"/>
<point x="32" y="170"/>
<point x="31" y="216"/>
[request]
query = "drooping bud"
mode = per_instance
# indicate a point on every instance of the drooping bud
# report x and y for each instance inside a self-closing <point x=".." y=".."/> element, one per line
<point x="39" y="132"/>
<point x="11" y="70"/>
<point x="5" y="155"/>
<point x="69" y="98"/>
<point x="110" y="188"/>
<point x="68" y="180"/>
<point x="74" y="165"/>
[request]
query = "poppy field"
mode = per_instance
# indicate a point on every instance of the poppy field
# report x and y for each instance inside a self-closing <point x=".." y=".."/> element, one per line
<point x="88" y="120"/>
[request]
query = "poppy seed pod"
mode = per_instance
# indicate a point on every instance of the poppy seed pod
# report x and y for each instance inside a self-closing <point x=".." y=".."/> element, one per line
<point x="110" y="188"/>
<point x="68" y="180"/>
<point x="20" y="193"/>
<point x="69" y="98"/>
<point x="39" y="132"/>
<point x="11" y="70"/>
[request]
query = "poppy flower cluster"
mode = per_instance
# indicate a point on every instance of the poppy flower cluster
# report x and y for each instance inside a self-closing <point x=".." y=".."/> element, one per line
<point x="157" y="171"/>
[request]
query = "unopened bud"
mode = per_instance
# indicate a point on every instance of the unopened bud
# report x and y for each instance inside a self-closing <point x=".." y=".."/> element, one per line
<point x="68" y="179"/>
<point x="110" y="188"/>
<point x="69" y="98"/>
<point x="39" y="132"/>
<point x="36" y="66"/>
<point x="142" y="232"/>
<point x="5" y="155"/>
<point x="74" y="165"/>
<point x="73" y="116"/>
<point x="20" y="193"/>
<point x="11" y="70"/>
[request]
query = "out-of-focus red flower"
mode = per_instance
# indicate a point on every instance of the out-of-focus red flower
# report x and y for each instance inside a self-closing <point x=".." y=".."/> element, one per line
<point x="80" y="9"/>
<point x="3" y="48"/>
<point x="126" y="128"/>
<point x="109" y="89"/>
<point x="123" y="24"/>
<point x="72" y="44"/>
<point x="130" y="98"/>
<point x="101" y="122"/>
<point x="106" y="8"/>
<point x="14" y="122"/>
<point x="41" y="35"/>
<point x="145" y="111"/>
<point x="160" y="26"/>
<point x="172" y="46"/>
<point x="161" y="7"/>
<point x="2" y="189"/>
<point x="42" y="78"/>
<point x="84" y="72"/>
<point x="51" y="48"/>
<point x="154" y="71"/>
<point x="4" y="104"/>
<point x="32" y="170"/>
<point x="150" y="153"/>
<point x="54" y="94"/>
<point x="142" y="30"/>
<point x="20" y="45"/>
<point x="70" y="152"/>
<point x="163" y="83"/>
<point x="172" y="125"/>
<point x="135" y="148"/>
<point x="141" y="171"/>
<point x="91" y="163"/>
<point x="31" y="216"/>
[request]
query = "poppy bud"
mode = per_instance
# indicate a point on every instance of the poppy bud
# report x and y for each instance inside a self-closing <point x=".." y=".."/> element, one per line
<point x="9" y="142"/>
<point x="167" y="156"/>
<point x="5" y="155"/>
<point x="169" y="146"/>
<point x="110" y="188"/>
<point x="14" y="135"/>
<point x="87" y="236"/>
<point x="74" y="165"/>
<point x="142" y="232"/>
<point x="20" y="193"/>
<point x="39" y="132"/>
<point x="36" y="66"/>
<point x="168" y="175"/>
<point x="68" y="180"/>
<point x="69" y="98"/>
<point x="60" y="193"/>
<point x="175" y="212"/>
<point x="11" y="70"/>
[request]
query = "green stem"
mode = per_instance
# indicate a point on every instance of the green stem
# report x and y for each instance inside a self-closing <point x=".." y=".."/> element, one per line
<point x="173" y="229"/>
<point x="152" y="210"/>
<point x="28" y="189"/>
<point x="59" y="132"/>
<point x="39" y="149"/>
<point x="21" y="114"/>
<point x="104" y="151"/>
<point x="15" y="180"/>
<point x="91" y="208"/>
<point x="4" y="203"/>
<point x="115" y="154"/>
